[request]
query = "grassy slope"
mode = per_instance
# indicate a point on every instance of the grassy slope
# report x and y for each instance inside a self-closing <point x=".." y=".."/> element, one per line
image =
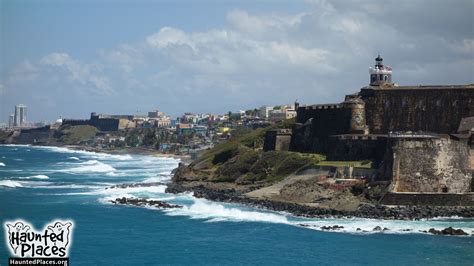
<point x="77" y="134"/>
<point x="241" y="159"/>
<point x="4" y="135"/>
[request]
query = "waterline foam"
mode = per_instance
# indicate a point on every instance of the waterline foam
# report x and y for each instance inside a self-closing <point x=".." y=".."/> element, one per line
<point x="9" y="183"/>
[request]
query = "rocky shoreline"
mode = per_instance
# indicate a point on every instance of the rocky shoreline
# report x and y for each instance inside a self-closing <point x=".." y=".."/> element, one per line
<point x="231" y="195"/>
<point x="374" y="211"/>
<point x="132" y="185"/>
<point x="144" y="202"/>
<point x="449" y="231"/>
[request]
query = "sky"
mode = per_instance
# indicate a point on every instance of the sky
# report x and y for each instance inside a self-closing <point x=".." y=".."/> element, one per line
<point x="69" y="58"/>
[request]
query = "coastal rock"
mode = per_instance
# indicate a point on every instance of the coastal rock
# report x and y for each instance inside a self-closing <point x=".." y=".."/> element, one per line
<point x="144" y="202"/>
<point x="151" y="184"/>
<point x="453" y="232"/>
<point x="334" y="227"/>
<point x="304" y="225"/>
<point x="377" y="228"/>
<point x="448" y="231"/>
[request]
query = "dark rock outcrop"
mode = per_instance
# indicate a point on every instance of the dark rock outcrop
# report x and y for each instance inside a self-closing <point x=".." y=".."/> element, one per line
<point x="334" y="227"/>
<point x="448" y="231"/>
<point x="151" y="184"/>
<point x="144" y="202"/>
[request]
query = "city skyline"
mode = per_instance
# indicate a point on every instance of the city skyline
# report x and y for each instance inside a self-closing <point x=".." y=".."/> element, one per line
<point x="212" y="57"/>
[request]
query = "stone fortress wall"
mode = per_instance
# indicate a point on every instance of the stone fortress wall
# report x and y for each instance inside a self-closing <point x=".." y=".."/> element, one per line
<point x="437" y="109"/>
<point x="386" y="111"/>
<point x="431" y="165"/>
<point x="409" y="132"/>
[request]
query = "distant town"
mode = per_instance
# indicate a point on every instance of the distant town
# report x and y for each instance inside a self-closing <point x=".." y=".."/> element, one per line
<point x="186" y="134"/>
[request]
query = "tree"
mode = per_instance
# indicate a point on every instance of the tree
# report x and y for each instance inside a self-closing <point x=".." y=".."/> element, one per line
<point x="149" y="138"/>
<point x="132" y="139"/>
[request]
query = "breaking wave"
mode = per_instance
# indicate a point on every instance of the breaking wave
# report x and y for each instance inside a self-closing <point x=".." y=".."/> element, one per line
<point x="214" y="212"/>
<point x="108" y="194"/>
<point x="2" y="164"/>
<point x="96" y="155"/>
<point x="16" y="145"/>
<point x="10" y="183"/>
<point x="91" y="166"/>
<point x="35" y="177"/>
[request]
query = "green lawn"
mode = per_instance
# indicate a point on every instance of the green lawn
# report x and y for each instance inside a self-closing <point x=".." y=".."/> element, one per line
<point x="361" y="164"/>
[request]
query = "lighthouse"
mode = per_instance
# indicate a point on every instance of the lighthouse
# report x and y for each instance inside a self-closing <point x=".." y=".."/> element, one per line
<point x="380" y="74"/>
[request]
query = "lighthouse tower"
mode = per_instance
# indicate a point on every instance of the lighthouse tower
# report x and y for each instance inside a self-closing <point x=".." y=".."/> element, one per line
<point x="380" y="74"/>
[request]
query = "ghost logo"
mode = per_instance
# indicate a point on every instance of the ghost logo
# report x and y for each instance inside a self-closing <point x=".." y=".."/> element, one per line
<point x="53" y="241"/>
<point x="61" y="229"/>
<point x="19" y="227"/>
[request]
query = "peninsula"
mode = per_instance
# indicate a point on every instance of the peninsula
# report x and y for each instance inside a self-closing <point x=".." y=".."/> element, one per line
<point x="387" y="151"/>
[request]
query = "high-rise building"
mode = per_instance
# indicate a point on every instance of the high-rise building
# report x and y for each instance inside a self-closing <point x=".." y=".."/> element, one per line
<point x="20" y="115"/>
<point x="11" y="121"/>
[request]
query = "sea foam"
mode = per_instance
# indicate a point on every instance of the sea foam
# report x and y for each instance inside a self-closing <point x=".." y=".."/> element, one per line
<point x="10" y="183"/>
<point x="95" y="155"/>
<point x="35" y="177"/>
<point x="214" y="212"/>
<point x="91" y="166"/>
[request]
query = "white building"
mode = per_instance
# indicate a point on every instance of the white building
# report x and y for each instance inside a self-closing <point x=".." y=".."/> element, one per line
<point x="281" y="114"/>
<point x="11" y="121"/>
<point x="264" y="110"/>
<point x="20" y="115"/>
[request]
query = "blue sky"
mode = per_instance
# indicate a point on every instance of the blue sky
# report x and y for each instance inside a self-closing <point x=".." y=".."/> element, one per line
<point x="68" y="58"/>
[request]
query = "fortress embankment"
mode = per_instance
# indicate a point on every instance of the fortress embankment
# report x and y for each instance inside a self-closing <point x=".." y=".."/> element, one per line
<point x="103" y="122"/>
<point x="418" y="137"/>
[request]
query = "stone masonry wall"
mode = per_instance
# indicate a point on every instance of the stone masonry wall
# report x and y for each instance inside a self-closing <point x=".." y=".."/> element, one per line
<point x="430" y="165"/>
<point x="277" y="140"/>
<point x="438" y="110"/>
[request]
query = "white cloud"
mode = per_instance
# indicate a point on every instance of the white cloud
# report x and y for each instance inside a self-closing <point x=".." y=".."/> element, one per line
<point x="125" y="57"/>
<point x="83" y="74"/>
<point x="167" y="36"/>
<point x="465" y="46"/>
<point x="264" y="26"/>
<point x="318" y="55"/>
<point x="23" y="72"/>
<point x="347" y="25"/>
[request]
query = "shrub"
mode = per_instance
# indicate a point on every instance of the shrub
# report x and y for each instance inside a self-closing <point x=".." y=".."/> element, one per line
<point x="224" y="155"/>
<point x="237" y="166"/>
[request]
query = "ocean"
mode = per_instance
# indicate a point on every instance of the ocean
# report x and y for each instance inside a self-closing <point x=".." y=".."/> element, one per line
<point x="42" y="184"/>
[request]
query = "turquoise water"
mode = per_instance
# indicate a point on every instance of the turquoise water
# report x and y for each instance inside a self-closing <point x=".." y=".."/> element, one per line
<point x="40" y="184"/>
